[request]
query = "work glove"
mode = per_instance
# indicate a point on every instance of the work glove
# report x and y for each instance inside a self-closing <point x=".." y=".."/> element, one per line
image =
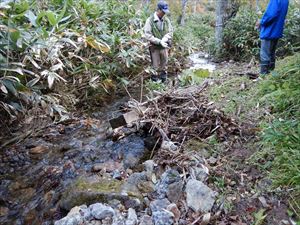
<point x="164" y="44"/>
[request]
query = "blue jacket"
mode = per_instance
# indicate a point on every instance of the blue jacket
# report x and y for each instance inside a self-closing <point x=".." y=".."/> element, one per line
<point x="272" y="22"/>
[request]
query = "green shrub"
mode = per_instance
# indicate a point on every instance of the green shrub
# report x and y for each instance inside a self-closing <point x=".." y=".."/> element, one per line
<point x="281" y="92"/>
<point x="86" y="43"/>
<point x="281" y="137"/>
<point x="241" y="39"/>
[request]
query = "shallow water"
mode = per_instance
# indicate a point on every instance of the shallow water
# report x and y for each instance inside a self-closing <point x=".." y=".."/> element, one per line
<point x="200" y="60"/>
<point x="35" y="172"/>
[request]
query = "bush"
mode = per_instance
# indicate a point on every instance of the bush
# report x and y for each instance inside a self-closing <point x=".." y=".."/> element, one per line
<point x="281" y="137"/>
<point x="85" y="43"/>
<point x="241" y="39"/>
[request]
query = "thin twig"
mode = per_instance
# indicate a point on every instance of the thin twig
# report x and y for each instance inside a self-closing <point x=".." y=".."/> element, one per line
<point x="142" y="87"/>
<point x="152" y="152"/>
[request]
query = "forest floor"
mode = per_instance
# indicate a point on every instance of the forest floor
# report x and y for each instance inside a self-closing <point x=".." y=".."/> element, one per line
<point x="38" y="171"/>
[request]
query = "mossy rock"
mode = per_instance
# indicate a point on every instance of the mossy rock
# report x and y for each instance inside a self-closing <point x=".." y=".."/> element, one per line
<point x="91" y="190"/>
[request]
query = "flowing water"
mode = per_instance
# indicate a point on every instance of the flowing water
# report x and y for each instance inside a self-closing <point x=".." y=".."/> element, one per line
<point x="201" y="60"/>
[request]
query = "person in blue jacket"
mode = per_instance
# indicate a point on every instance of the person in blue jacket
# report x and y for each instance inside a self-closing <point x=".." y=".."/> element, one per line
<point x="271" y="29"/>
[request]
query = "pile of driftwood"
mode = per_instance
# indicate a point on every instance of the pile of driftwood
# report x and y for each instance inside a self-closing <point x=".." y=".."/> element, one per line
<point x="179" y="115"/>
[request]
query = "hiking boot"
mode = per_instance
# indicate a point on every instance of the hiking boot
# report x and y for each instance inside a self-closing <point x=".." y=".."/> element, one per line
<point x="163" y="77"/>
<point x="154" y="78"/>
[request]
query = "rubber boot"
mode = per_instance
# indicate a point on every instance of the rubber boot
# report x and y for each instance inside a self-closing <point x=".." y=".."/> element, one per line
<point x="264" y="68"/>
<point x="272" y="66"/>
<point x="163" y="76"/>
<point x="154" y="78"/>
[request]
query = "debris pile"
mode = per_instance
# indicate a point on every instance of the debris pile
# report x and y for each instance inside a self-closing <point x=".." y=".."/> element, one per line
<point x="181" y="114"/>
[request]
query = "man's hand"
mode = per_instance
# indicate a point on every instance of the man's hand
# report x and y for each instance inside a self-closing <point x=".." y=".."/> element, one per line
<point x="164" y="44"/>
<point x="257" y="25"/>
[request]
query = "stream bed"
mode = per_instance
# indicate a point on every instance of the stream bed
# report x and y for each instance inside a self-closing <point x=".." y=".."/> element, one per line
<point x="37" y="175"/>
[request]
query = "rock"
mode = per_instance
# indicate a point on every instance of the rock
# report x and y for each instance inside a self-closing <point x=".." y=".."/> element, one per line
<point x="72" y="220"/>
<point x="3" y="211"/>
<point x="118" y="219"/>
<point x="82" y="210"/>
<point x="199" y="196"/>
<point x="130" y="186"/>
<point x="107" y="221"/>
<point x="76" y="216"/>
<point x="146" y="186"/>
<point x="168" y="145"/>
<point x="91" y="190"/>
<point x="117" y="175"/>
<point x="109" y="166"/>
<point x="163" y="218"/>
<point x="100" y="211"/>
<point x="134" y="203"/>
<point x="132" y="218"/>
<point x="149" y="165"/>
<point x="94" y="222"/>
<point x="149" y="168"/>
<point x="170" y="185"/>
<point x="146" y="220"/>
<point x="174" y="209"/>
<point x="38" y="149"/>
<point x="199" y="173"/>
<point x="124" y="119"/>
<point x="159" y="204"/>
<point x="212" y="160"/>
<point x="174" y="191"/>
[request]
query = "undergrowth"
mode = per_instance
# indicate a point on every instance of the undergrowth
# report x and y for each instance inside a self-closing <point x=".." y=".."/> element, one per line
<point x="273" y="103"/>
<point x="281" y="137"/>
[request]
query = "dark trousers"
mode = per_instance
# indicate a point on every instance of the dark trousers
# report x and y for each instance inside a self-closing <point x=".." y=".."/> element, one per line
<point x="267" y="55"/>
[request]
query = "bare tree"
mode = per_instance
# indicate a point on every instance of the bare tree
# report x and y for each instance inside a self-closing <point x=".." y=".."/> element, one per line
<point x="183" y="11"/>
<point x="257" y="7"/>
<point x="196" y="2"/>
<point x="221" y="6"/>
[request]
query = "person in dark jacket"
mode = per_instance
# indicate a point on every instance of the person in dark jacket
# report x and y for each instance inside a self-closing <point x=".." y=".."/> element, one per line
<point x="271" y="29"/>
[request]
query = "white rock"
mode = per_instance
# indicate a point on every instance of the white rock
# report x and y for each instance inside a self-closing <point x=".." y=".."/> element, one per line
<point x="199" y="197"/>
<point x="100" y="211"/>
<point x="132" y="218"/>
<point x="70" y="220"/>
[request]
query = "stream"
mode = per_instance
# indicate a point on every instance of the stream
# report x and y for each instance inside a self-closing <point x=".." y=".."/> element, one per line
<point x="35" y="173"/>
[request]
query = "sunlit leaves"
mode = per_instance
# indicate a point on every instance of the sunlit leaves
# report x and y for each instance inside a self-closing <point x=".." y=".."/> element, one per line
<point x="51" y="77"/>
<point x="101" y="46"/>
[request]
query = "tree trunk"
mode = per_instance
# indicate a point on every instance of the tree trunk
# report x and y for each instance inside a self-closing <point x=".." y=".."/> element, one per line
<point x="196" y="2"/>
<point x="221" y="6"/>
<point x="183" y="12"/>
<point x="257" y="7"/>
